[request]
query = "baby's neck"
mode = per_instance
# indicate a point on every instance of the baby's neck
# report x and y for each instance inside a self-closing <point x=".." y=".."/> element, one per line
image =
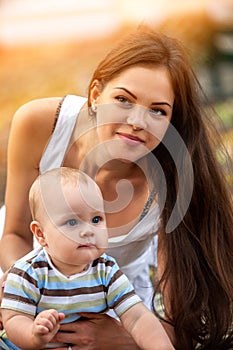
<point x="66" y="269"/>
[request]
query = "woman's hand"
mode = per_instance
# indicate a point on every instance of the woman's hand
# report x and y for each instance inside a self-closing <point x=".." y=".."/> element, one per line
<point x="95" y="332"/>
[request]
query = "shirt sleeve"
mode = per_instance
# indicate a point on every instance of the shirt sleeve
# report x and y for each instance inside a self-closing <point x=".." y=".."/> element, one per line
<point x="120" y="292"/>
<point x="21" y="292"/>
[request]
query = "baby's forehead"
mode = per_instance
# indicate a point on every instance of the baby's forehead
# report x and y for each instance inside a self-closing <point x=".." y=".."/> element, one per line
<point x="57" y="187"/>
<point x="74" y="193"/>
<point x="56" y="182"/>
<point x="84" y="195"/>
<point x="88" y="187"/>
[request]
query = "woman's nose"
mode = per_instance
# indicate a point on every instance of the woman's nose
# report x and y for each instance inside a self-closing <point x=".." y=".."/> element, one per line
<point x="137" y="117"/>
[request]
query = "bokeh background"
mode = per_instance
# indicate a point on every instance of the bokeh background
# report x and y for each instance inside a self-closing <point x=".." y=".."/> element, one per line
<point x="51" y="47"/>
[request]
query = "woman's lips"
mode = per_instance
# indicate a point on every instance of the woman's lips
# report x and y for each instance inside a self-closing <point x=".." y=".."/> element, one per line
<point x="130" y="139"/>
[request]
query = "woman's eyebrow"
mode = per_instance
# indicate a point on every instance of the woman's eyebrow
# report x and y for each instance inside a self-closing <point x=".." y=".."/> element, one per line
<point x="135" y="97"/>
<point x="161" y="103"/>
<point x="126" y="90"/>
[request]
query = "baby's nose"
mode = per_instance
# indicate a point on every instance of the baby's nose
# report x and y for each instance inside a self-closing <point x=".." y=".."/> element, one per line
<point x="86" y="234"/>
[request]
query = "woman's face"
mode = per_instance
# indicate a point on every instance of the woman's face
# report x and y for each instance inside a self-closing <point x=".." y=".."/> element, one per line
<point x="133" y="111"/>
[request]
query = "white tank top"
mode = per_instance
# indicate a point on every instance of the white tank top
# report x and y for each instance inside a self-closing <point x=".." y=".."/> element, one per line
<point x="131" y="250"/>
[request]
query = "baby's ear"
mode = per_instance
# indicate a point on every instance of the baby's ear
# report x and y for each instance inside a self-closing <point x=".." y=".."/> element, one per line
<point x="37" y="230"/>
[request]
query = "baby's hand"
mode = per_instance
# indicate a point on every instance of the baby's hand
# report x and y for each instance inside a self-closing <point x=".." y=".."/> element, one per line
<point x="46" y="325"/>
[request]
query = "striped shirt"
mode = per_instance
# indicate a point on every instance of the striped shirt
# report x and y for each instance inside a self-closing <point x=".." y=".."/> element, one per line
<point x="34" y="285"/>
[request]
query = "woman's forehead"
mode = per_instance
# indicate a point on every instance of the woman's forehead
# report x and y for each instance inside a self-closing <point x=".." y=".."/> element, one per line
<point x="152" y="81"/>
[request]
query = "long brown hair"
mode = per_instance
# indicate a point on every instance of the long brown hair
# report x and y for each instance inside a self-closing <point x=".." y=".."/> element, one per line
<point x="198" y="253"/>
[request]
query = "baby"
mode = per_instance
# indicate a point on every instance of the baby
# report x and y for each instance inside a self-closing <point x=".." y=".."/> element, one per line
<point x="70" y="273"/>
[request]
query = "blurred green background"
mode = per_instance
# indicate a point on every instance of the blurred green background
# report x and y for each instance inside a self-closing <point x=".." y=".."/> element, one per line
<point x="51" y="49"/>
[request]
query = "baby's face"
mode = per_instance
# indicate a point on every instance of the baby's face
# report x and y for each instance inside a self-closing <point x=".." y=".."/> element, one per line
<point x="75" y="225"/>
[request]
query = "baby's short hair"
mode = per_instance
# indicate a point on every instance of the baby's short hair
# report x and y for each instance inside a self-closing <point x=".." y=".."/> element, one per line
<point x="58" y="176"/>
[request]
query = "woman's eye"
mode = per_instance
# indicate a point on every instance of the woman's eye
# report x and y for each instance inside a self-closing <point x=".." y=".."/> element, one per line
<point x="123" y="100"/>
<point x="157" y="112"/>
<point x="96" y="219"/>
<point x="72" y="222"/>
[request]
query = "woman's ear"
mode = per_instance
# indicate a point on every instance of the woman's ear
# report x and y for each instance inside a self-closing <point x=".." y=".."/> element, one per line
<point x="95" y="91"/>
<point x="37" y="230"/>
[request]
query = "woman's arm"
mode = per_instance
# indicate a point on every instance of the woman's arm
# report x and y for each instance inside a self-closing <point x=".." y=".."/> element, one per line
<point x="31" y="128"/>
<point x="96" y="332"/>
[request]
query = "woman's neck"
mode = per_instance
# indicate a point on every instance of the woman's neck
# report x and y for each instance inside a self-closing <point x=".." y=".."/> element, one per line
<point x="118" y="169"/>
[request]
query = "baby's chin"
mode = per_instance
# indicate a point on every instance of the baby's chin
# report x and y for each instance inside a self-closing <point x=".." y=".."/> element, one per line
<point x="88" y="253"/>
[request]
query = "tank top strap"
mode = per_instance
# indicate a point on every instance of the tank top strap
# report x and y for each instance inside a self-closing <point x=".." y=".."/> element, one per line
<point x="56" y="148"/>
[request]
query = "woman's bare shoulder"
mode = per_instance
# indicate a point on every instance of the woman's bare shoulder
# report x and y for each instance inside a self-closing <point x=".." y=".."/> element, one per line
<point x="43" y="108"/>
<point x="37" y="115"/>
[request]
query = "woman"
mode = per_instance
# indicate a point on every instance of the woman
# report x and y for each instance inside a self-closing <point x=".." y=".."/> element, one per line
<point x="144" y="139"/>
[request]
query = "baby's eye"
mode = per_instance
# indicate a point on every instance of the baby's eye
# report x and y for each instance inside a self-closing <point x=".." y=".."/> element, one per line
<point x="96" y="219"/>
<point x="72" y="222"/>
